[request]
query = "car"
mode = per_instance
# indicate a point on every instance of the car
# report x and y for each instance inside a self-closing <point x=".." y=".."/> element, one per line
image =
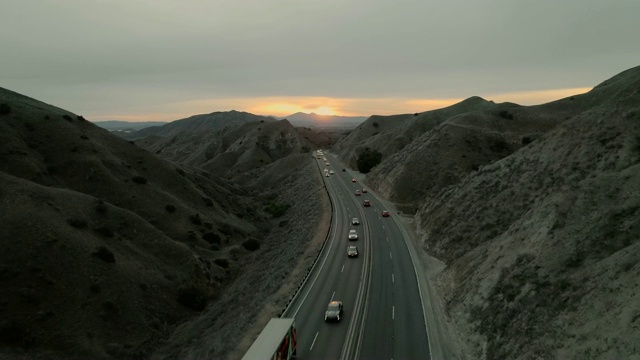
<point x="355" y="221"/>
<point x="327" y="164"/>
<point x="353" y="180"/>
<point x="352" y="251"/>
<point x="385" y="213"/>
<point x="333" y="311"/>
<point x="358" y="193"/>
<point x="353" y="235"/>
<point x="331" y="172"/>
<point x="364" y="190"/>
<point x="366" y="203"/>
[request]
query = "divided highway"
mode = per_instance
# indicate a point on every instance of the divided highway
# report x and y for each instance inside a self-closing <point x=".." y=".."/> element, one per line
<point x="378" y="288"/>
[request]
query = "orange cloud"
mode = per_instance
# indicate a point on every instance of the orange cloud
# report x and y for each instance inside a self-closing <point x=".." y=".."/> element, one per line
<point x="287" y="105"/>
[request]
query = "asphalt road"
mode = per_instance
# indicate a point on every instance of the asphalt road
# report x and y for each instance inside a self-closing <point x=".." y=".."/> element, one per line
<point x="394" y="325"/>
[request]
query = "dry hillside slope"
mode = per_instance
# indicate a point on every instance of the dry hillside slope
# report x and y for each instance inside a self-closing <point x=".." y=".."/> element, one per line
<point x="390" y="134"/>
<point x="542" y="247"/>
<point x="232" y="150"/>
<point x="109" y="252"/>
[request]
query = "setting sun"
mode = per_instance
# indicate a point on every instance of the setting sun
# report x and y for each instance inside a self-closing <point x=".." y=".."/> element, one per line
<point x="323" y="110"/>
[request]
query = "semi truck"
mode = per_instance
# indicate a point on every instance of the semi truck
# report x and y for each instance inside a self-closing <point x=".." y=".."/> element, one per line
<point x="277" y="341"/>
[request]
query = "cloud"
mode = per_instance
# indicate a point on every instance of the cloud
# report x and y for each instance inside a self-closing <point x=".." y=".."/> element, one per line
<point x="287" y="105"/>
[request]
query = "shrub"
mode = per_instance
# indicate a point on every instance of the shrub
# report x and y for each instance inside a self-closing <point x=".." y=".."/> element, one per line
<point x="77" y="223"/>
<point x="170" y="208"/>
<point x="139" y="179"/>
<point x="192" y="298"/>
<point x="276" y="209"/>
<point x="251" y="244"/>
<point x="101" y="207"/>
<point x="195" y="219"/>
<point x="506" y="115"/>
<point x="104" y="231"/>
<point x="207" y="201"/>
<point x="211" y="238"/>
<point x="375" y="124"/>
<point x="368" y="159"/>
<point x="5" y="109"/>
<point x="180" y="171"/>
<point x="223" y="263"/>
<point x="66" y="117"/>
<point x="104" y="254"/>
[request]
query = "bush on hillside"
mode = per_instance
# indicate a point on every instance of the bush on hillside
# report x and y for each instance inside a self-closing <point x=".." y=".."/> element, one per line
<point x="251" y="244"/>
<point x="5" y="109"/>
<point x="368" y="159"/>
<point x="276" y="209"/>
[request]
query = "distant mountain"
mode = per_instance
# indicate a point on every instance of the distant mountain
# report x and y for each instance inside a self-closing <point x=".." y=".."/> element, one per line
<point x="199" y="123"/>
<point x="117" y="125"/>
<point x="303" y="119"/>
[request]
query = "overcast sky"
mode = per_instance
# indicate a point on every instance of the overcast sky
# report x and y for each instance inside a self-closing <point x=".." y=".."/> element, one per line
<point x="168" y="59"/>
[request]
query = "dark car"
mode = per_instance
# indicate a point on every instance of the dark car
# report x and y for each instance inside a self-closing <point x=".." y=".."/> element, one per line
<point x="385" y="213"/>
<point x="334" y="311"/>
<point x="352" y="251"/>
<point x="366" y="203"/>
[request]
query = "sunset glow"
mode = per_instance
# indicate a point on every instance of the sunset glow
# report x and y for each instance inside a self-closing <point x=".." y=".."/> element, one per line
<point x="283" y="106"/>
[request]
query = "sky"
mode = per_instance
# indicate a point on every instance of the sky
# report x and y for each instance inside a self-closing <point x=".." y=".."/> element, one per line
<point x="162" y="60"/>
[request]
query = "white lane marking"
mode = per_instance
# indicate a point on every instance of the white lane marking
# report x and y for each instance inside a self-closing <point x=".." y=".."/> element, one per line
<point x="387" y="238"/>
<point x="332" y="295"/>
<point x="393" y="312"/>
<point x="382" y="225"/>
<point x="342" y="268"/>
<point x="393" y="279"/>
<point x="314" y="340"/>
<point x="390" y="256"/>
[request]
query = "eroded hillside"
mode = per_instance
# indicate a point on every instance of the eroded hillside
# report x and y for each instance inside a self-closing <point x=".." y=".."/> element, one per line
<point x="108" y="251"/>
<point x="535" y="213"/>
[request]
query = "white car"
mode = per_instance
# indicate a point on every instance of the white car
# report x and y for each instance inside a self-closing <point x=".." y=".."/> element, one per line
<point x="355" y="221"/>
<point x="353" y="235"/>
<point x="331" y="172"/>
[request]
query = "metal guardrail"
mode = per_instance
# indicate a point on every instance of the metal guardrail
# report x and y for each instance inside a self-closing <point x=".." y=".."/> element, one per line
<point x="287" y="308"/>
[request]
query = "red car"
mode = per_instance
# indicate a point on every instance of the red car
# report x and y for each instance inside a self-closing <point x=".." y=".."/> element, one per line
<point x="385" y="213"/>
<point x="366" y="203"/>
<point x="353" y="180"/>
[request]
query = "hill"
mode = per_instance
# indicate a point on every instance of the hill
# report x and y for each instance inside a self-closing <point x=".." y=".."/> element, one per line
<point x="199" y="123"/>
<point x="110" y="252"/>
<point x="534" y="214"/>
<point x="127" y="126"/>
<point x="314" y="120"/>
<point x="229" y="148"/>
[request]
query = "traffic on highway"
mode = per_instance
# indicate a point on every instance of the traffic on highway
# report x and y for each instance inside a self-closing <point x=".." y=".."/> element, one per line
<point x="361" y="299"/>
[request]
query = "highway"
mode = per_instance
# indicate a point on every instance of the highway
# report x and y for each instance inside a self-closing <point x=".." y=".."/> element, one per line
<point x="378" y="288"/>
